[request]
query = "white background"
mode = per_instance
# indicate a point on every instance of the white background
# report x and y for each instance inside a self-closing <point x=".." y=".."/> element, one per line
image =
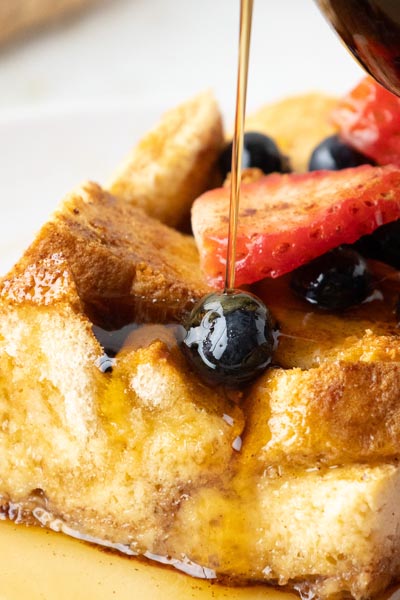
<point x="160" y="51"/>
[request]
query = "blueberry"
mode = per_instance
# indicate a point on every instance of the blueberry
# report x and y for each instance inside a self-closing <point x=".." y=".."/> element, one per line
<point x="230" y="337"/>
<point x="383" y="244"/>
<point x="333" y="154"/>
<point x="259" y="151"/>
<point x="334" y="281"/>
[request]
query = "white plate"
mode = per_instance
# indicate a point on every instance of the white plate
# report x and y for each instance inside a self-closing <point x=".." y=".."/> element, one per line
<point x="44" y="155"/>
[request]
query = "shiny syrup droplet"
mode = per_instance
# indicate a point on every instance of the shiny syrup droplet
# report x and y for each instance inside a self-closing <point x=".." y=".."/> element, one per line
<point x="230" y="338"/>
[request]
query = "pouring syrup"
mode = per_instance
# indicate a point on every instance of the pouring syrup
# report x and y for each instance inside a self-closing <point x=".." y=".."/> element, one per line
<point x="246" y="14"/>
<point x="230" y="336"/>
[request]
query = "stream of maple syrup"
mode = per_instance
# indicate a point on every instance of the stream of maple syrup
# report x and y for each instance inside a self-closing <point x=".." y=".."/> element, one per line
<point x="246" y="13"/>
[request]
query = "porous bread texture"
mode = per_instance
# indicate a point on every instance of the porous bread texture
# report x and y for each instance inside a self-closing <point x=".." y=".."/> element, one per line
<point x="174" y="163"/>
<point x="108" y="454"/>
<point x="144" y="458"/>
<point x="297" y="124"/>
<point x="330" y="533"/>
<point x="336" y="399"/>
<point x="334" y="414"/>
<point x="148" y="458"/>
<point x="127" y="266"/>
<point x="44" y="340"/>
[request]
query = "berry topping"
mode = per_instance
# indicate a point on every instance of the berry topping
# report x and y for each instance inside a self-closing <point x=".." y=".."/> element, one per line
<point x="334" y="281"/>
<point x="230" y="337"/>
<point x="383" y="244"/>
<point x="368" y="119"/>
<point x="259" y="152"/>
<point x="288" y="220"/>
<point x="333" y="154"/>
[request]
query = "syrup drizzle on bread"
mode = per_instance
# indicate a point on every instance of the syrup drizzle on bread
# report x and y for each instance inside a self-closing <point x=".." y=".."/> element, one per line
<point x="147" y="458"/>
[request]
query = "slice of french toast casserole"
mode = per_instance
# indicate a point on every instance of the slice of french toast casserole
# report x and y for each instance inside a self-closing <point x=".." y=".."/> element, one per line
<point x="292" y="481"/>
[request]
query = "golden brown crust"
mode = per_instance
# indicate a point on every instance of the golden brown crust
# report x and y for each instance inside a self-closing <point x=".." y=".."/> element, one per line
<point x="148" y="457"/>
<point x="310" y="337"/>
<point x="174" y="163"/>
<point x="297" y="124"/>
<point x="335" y="399"/>
<point x="335" y="414"/>
<point x="126" y="265"/>
<point x="45" y="282"/>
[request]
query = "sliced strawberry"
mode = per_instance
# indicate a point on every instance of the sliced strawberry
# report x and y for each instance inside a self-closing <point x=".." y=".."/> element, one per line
<point x="287" y="220"/>
<point x="368" y="119"/>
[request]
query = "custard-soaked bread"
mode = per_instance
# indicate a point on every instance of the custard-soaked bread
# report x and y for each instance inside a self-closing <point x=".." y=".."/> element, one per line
<point x="335" y="414"/>
<point x="298" y="486"/>
<point x="328" y="533"/>
<point x="41" y="318"/>
<point x="174" y="163"/>
<point x="145" y="459"/>
<point x="127" y="266"/>
<point x="110" y="454"/>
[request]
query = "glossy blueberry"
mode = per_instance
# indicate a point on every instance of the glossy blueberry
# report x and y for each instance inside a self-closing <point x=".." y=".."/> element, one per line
<point x="333" y="154"/>
<point x="259" y="151"/>
<point x="334" y="281"/>
<point x="230" y="337"/>
<point x="383" y="244"/>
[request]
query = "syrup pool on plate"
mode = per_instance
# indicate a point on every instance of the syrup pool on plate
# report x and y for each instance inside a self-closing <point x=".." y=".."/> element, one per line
<point x="41" y="564"/>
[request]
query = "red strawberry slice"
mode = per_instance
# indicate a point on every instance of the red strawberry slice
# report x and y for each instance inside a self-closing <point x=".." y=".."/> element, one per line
<point x="368" y="119"/>
<point x="287" y="220"/>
